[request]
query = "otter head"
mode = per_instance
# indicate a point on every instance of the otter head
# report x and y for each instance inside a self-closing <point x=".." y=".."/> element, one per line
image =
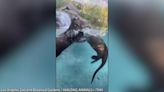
<point x="78" y="23"/>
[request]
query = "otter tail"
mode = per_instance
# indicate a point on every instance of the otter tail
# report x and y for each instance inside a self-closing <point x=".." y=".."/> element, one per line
<point x="104" y="59"/>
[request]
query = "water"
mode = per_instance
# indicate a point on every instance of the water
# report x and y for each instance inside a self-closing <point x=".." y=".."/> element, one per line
<point x="74" y="68"/>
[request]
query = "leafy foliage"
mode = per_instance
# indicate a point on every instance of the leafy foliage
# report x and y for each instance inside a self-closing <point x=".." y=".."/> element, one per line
<point x="97" y="15"/>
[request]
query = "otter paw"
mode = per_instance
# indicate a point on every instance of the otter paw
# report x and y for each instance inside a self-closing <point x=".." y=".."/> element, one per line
<point x="95" y="58"/>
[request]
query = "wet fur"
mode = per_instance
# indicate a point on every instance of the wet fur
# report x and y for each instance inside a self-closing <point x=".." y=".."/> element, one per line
<point x="77" y="24"/>
<point x="102" y="52"/>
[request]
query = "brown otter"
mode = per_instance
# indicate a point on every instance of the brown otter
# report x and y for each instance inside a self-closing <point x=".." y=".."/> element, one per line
<point x="63" y="42"/>
<point x="75" y="34"/>
<point x="65" y="39"/>
<point x="102" y="52"/>
<point x="99" y="46"/>
<point x="77" y="24"/>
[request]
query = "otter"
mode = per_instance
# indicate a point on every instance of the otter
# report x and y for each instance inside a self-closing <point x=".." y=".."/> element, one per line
<point x="65" y="39"/>
<point x="71" y="30"/>
<point x="102" y="52"/>
<point x="97" y="43"/>
<point x="75" y="33"/>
